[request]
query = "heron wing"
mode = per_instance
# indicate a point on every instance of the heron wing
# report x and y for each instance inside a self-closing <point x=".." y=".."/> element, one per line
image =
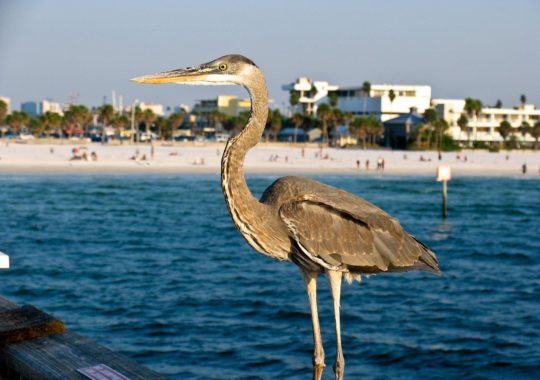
<point x="340" y="230"/>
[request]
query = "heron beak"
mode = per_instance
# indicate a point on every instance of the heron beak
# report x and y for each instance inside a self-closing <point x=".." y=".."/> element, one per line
<point x="189" y="75"/>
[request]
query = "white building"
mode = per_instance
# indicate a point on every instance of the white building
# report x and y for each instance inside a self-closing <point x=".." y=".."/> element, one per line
<point x="379" y="102"/>
<point x="156" y="108"/>
<point x="6" y="100"/>
<point x="484" y="128"/>
<point x="312" y="93"/>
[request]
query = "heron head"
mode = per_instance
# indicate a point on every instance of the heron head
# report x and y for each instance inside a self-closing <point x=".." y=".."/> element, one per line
<point x="227" y="70"/>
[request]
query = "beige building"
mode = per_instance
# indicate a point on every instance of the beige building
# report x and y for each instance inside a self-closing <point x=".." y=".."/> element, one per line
<point x="230" y="105"/>
<point x="484" y="127"/>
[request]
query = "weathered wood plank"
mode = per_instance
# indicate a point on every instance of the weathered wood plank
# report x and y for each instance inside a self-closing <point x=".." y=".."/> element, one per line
<point x="27" y="322"/>
<point x="58" y="356"/>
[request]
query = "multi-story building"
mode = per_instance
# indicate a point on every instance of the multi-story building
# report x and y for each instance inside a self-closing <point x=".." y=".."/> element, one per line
<point x="39" y="108"/>
<point x="484" y="127"/>
<point x="230" y="105"/>
<point x="384" y="101"/>
<point x="381" y="103"/>
<point x="312" y="93"/>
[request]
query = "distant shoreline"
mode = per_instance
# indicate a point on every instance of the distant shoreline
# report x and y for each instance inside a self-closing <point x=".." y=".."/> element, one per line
<point x="265" y="159"/>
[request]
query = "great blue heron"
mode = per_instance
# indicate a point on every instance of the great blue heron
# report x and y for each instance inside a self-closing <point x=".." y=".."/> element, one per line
<point x="319" y="228"/>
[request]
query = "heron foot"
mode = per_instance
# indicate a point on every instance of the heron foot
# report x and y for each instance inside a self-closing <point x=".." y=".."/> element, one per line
<point x="318" y="370"/>
<point x="339" y="367"/>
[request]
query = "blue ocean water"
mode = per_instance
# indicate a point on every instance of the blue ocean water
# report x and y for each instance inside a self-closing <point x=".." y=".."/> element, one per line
<point x="153" y="267"/>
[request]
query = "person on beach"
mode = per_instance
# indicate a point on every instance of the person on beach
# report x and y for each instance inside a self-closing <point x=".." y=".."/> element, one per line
<point x="524" y="168"/>
<point x="367" y="164"/>
<point x="357" y="164"/>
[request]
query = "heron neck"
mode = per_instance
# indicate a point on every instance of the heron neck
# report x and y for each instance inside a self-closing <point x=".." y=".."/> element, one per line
<point x="244" y="207"/>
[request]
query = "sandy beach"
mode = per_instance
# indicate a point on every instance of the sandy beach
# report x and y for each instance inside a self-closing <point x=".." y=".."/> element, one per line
<point x="19" y="158"/>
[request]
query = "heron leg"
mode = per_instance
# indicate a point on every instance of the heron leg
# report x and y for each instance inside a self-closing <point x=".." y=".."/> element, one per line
<point x="335" y="277"/>
<point x="310" y="279"/>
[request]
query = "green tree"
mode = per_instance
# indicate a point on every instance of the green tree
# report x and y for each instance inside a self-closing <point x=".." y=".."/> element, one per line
<point x="332" y="98"/>
<point x="161" y="125"/>
<point x="36" y="126"/>
<point x="175" y="121"/>
<point x="366" y="91"/>
<point x="119" y="123"/>
<point x="3" y="111"/>
<point x="463" y="123"/>
<point x="148" y="117"/>
<point x="535" y="133"/>
<point x="297" y="121"/>
<point x="17" y="120"/>
<point x="391" y="95"/>
<point x="504" y="130"/>
<point x="276" y="121"/>
<point x="499" y="104"/>
<point x="473" y="107"/>
<point x="77" y="117"/>
<point x="51" y="122"/>
<point x="105" y="114"/>
<point x="324" y="113"/>
<point x="294" y="99"/>
<point x="523" y="99"/>
<point x="358" y="127"/>
<point x="431" y="116"/>
<point x="524" y="128"/>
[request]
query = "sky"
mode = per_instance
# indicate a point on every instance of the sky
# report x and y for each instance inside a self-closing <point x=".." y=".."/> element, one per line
<point x="57" y="49"/>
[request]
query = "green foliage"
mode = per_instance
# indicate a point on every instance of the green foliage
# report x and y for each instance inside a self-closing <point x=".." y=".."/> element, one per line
<point x="3" y="111"/>
<point x="512" y="143"/>
<point x="504" y="129"/>
<point x="17" y="120"/>
<point x="523" y="99"/>
<point x="499" y="104"/>
<point x="332" y="98"/>
<point x="391" y="95"/>
<point x="366" y="88"/>
<point x="448" y="144"/>
<point x="294" y="98"/>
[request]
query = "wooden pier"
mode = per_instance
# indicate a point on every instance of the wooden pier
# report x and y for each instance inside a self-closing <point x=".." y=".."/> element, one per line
<point x="35" y="345"/>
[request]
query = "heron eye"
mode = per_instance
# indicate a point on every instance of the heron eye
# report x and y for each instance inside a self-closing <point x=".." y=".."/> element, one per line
<point x="222" y="67"/>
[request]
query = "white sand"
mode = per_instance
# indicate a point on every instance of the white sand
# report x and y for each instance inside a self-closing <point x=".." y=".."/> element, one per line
<point x="185" y="158"/>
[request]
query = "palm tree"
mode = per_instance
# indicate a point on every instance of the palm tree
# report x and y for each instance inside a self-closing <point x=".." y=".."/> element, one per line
<point x="324" y="113"/>
<point x="105" y="114"/>
<point x="391" y="96"/>
<point x="161" y="124"/>
<point x="148" y="117"/>
<point x="431" y="116"/>
<point x="366" y="91"/>
<point x="175" y="120"/>
<point x="76" y="117"/>
<point x="440" y="127"/>
<point x="51" y="121"/>
<point x="3" y="111"/>
<point x="119" y="123"/>
<point x="504" y="130"/>
<point x="524" y="128"/>
<point x="473" y="107"/>
<point x="297" y="121"/>
<point x="332" y="99"/>
<point x="359" y="128"/>
<point x="294" y="99"/>
<point x="17" y="120"/>
<point x="523" y="99"/>
<point x="535" y="133"/>
<point x="463" y="123"/>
